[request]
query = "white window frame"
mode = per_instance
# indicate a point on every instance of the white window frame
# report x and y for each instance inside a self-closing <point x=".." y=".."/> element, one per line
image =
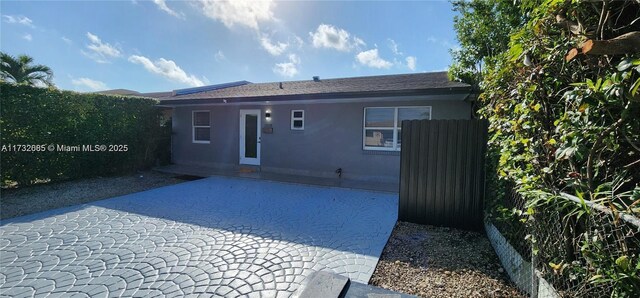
<point x="297" y="118"/>
<point x="396" y="127"/>
<point x="194" y="126"/>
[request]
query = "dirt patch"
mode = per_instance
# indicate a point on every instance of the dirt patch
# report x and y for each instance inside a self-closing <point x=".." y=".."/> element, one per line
<point x="38" y="198"/>
<point x="432" y="261"/>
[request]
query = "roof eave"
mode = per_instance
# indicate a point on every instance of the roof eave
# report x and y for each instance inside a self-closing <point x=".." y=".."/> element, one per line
<point x="334" y="95"/>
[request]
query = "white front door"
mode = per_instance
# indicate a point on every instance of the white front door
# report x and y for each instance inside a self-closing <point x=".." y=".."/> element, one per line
<point x="250" y="137"/>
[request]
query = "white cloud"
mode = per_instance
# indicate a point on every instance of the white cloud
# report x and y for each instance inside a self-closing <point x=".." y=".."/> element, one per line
<point x="443" y="43"/>
<point x="167" y="69"/>
<point x="329" y="36"/>
<point x="220" y="56"/>
<point x="246" y="13"/>
<point x="297" y="41"/>
<point x="22" y="20"/>
<point x="27" y="37"/>
<point x="275" y="49"/>
<point x="394" y="47"/>
<point x="67" y="40"/>
<point x="288" y="69"/>
<point x="90" y="84"/>
<point x="372" y="59"/>
<point x="163" y="6"/>
<point x="100" y="51"/>
<point x="411" y="62"/>
<point x="294" y="58"/>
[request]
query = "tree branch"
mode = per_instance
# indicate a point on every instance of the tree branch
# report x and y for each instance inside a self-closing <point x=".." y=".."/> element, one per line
<point x="604" y="13"/>
<point x="571" y="54"/>
<point x="623" y="44"/>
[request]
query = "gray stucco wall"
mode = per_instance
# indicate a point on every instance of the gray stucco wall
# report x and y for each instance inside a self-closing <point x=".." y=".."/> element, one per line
<point x="332" y="138"/>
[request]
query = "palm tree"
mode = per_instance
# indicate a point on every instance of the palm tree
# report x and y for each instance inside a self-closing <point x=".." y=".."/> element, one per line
<point x="20" y="71"/>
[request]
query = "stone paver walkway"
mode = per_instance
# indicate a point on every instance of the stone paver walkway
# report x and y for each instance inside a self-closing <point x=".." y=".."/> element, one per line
<point x="216" y="236"/>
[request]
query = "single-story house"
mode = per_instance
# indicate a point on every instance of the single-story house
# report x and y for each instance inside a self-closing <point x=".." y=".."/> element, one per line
<point x="312" y="127"/>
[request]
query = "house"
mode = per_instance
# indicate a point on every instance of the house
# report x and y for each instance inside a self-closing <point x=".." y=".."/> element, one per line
<point x="312" y="127"/>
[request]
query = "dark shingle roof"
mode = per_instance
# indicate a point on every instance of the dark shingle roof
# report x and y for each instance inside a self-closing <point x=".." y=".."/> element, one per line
<point x="157" y="94"/>
<point x="118" y="92"/>
<point x="387" y="85"/>
<point x="127" y="92"/>
<point x="208" y="88"/>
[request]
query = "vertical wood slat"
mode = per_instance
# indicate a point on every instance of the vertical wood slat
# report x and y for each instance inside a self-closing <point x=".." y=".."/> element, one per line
<point x="404" y="171"/>
<point x="432" y="169"/>
<point x="413" y="172"/>
<point x="461" y="150"/>
<point x="442" y="172"/>
<point x="421" y="207"/>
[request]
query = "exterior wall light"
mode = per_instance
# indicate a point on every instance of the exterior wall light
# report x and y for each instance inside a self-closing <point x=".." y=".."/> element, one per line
<point x="267" y="115"/>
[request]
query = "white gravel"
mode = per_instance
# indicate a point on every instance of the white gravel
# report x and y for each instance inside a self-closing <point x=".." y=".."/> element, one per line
<point x="430" y="261"/>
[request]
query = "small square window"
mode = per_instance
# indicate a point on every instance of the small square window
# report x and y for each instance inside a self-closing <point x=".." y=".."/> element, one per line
<point x="201" y="127"/>
<point x="297" y="119"/>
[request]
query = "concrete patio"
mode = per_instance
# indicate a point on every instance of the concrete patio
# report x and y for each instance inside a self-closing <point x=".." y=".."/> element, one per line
<point x="217" y="236"/>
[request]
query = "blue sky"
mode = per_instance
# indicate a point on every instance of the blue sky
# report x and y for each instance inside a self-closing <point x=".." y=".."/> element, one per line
<point x="166" y="45"/>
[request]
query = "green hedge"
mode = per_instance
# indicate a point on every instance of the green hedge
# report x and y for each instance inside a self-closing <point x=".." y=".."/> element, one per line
<point x="38" y="116"/>
<point x="561" y="125"/>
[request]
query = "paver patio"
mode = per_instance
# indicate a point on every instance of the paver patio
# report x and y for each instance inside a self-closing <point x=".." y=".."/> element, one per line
<point x="216" y="236"/>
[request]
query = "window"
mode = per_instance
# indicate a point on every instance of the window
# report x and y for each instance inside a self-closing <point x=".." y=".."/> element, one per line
<point x="201" y="127"/>
<point x="297" y="119"/>
<point x="383" y="125"/>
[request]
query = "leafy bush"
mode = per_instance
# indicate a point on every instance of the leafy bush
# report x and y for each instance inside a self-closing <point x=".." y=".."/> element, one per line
<point x="39" y="116"/>
<point x="561" y="123"/>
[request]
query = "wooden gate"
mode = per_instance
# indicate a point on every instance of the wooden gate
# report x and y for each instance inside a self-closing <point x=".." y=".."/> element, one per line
<point x="442" y="172"/>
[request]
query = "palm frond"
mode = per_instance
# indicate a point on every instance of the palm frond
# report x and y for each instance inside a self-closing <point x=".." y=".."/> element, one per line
<point x="19" y="71"/>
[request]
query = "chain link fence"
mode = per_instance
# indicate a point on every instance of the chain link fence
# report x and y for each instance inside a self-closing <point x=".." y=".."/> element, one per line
<point x="577" y="248"/>
<point x="586" y="250"/>
<point x="507" y="232"/>
<point x="509" y="221"/>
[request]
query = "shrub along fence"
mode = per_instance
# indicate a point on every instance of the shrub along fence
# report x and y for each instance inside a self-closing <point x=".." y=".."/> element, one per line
<point x="575" y="248"/>
<point x="48" y="134"/>
<point x="586" y="249"/>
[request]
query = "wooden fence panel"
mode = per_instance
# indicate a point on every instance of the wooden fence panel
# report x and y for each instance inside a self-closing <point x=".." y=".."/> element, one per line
<point x="442" y="172"/>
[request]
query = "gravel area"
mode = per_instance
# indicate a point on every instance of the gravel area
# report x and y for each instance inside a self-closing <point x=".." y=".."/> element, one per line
<point x="430" y="261"/>
<point x="22" y="201"/>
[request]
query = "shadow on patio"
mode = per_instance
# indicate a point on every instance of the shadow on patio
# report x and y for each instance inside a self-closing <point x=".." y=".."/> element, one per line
<point x="252" y="172"/>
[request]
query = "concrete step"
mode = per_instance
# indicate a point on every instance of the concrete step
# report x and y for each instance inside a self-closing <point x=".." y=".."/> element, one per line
<point x="248" y="169"/>
<point x="324" y="284"/>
